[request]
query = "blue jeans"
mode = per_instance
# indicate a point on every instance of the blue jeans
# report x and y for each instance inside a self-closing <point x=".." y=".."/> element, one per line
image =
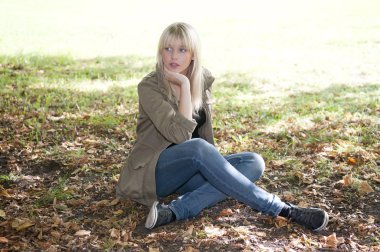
<point x="196" y="170"/>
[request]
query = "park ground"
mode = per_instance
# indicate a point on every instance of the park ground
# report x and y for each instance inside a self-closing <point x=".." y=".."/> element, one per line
<point x="307" y="101"/>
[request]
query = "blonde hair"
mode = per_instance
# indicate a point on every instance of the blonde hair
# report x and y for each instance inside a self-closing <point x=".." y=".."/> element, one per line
<point x="189" y="37"/>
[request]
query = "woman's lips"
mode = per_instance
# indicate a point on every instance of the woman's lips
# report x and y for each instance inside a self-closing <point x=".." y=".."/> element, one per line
<point x="174" y="65"/>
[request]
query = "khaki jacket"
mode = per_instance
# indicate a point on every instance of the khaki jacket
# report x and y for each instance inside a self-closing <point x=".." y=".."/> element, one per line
<point x="159" y="125"/>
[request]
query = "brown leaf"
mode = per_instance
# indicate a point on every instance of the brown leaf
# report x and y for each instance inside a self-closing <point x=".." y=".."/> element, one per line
<point x="21" y="224"/>
<point x="3" y="240"/>
<point x="281" y="222"/>
<point x="189" y="232"/>
<point x="152" y="249"/>
<point x="370" y="219"/>
<point x="351" y="161"/>
<point x="347" y="180"/>
<point x="82" y="233"/>
<point x="2" y="213"/>
<point x="288" y="196"/>
<point x="118" y="212"/>
<point x="261" y="234"/>
<point x="226" y="212"/>
<point x="303" y="204"/>
<point x="365" y="188"/>
<point x="102" y="203"/>
<point x="114" y="202"/>
<point x="5" y="194"/>
<point x="331" y="241"/>
<point x="75" y="202"/>
<point x="126" y="236"/>
<point x="115" y="233"/>
<point x="377" y="178"/>
<point x="55" y="234"/>
<point x="43" y="245"/>
<point x="56" y="221"/>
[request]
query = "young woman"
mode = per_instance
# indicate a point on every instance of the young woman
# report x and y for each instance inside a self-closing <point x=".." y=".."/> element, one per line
<point x="174" y="151"/>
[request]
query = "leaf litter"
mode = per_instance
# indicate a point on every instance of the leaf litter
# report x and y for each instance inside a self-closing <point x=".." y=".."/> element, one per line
<point x="58" y="193"/>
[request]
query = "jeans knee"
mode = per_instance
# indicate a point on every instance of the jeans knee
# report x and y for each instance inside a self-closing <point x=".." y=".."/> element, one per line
<point x="199" y="145"/>
<point x="260" y="163"/>
<point x="257" y="168"/>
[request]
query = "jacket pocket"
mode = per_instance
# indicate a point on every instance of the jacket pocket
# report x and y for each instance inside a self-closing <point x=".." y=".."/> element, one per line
<point x="140" y="156"/>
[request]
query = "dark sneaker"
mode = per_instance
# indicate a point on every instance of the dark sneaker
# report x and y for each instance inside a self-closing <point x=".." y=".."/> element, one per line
<point x="159" y="215"/>
<point x="312" y="218"/>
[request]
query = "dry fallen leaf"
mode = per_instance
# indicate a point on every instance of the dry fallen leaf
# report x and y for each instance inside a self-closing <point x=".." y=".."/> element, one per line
<point x="303" y="204"/>
<point x="118" y="212"/>
<point x="347" y="180"/>
<point x="152" y="249"/>
<point x="370" y="220"/>
<point x="21" y="224"/>
<point x="2" y="213"/>
<point x="377" y="178"/>
<point x="241" y="230"/>
<point x="261" y="234"/>
<point x="226" y="212"/>
<point x="75" y="202"/>
<point x="5" y="194"/>
<point x="189" y="232"/>
<point x="214" y="231"/>
<point x="331" y="241"/>
<point x="102" y="203"/>
<point x="82" y="233"/>
<point x="288" y="196"/>
<point x="55" y="234"/>
<point x="3" y="240"/>
<point x="114" y="202"/>
<point x="365" y="188"/>
<point x="281" y="222"/>
<point x="115" y="233"/>
<point x="43" y="245"/>
<point x="57" y="221"/>
<point x="351" y="161"/>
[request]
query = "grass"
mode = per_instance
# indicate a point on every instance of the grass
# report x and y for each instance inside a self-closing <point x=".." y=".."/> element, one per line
<point x="58" y="193"/>
<point x="61" y="99"/>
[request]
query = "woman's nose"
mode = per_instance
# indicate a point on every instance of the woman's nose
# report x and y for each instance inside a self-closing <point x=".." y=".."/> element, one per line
<point x="174" y="55"/>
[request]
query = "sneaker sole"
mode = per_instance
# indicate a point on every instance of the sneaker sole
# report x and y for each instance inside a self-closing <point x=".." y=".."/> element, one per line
<point x="324" y="224"/>
<point x="151" y="220"/>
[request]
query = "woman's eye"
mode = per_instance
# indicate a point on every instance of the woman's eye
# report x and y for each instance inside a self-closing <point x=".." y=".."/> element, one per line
<point x="168" y="49"/>
<point x="183" y="50"/>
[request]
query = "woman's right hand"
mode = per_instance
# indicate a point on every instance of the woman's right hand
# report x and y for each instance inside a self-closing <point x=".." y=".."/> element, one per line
<point x="181" y="82"/>
<point x="176" y="78"/>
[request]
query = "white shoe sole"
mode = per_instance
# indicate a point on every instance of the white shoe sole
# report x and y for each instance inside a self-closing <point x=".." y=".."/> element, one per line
<point x="324" y="223"/>
<point x="151" y="220"/>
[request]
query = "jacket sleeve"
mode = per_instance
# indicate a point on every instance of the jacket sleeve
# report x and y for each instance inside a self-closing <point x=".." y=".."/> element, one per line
<point x="171" y="124"/>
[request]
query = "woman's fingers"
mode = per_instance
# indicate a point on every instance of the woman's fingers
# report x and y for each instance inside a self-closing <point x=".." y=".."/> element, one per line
<point x="174" y="77"/>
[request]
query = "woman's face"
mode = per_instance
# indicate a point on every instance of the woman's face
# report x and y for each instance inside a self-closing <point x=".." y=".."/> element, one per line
<point x="176" y="57"/>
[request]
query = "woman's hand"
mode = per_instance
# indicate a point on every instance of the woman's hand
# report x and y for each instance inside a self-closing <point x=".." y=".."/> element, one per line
<point x="181" y="82"/>
<point x="176" y="78"/>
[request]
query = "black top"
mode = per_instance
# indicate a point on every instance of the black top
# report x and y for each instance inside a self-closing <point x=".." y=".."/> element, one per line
<point x="200" y="118"/>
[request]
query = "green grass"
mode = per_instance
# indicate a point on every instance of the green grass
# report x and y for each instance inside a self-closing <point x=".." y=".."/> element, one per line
<point x="57" y="192"/>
